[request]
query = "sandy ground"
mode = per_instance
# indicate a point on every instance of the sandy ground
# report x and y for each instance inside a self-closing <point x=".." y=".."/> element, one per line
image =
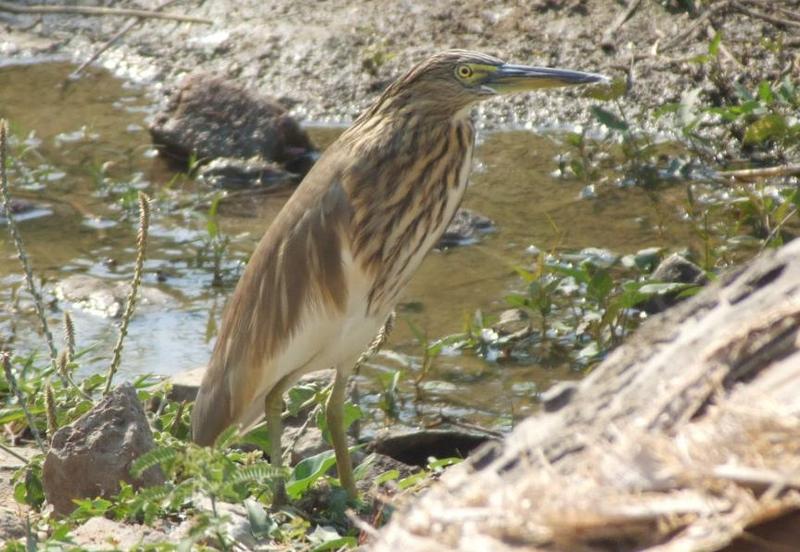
<point x="328" y="59"/>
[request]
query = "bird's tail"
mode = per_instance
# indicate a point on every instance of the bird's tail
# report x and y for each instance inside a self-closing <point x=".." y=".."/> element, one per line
<point x="214" y="409"/>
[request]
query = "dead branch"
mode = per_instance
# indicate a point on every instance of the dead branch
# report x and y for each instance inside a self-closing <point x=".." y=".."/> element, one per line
<point x="99" y="11"/>
<point x="111" y="41"/>
<point x="763" y="172"/>
<point x="765" y="17"/>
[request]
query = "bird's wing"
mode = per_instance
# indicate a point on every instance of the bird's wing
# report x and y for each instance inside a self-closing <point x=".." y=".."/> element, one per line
<point x="293" y="292"/>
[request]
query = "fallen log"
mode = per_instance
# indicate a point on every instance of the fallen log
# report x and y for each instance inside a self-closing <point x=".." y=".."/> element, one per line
<point x="682" y="439"/>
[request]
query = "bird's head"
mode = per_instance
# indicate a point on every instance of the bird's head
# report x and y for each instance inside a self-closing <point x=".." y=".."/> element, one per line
<point x="450" y="81"/>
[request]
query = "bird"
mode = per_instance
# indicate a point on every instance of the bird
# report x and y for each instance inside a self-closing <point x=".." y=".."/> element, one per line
<point x="331" y="266"/>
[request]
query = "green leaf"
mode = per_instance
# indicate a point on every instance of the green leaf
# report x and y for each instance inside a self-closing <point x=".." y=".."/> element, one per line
<point x="713" y="46"/>
<point x="307" y="471"/>
<point x="155" y="457"/>
<point x="768" y="127"/>
<point x="605" y="92"/>
<point x="608" y="119"/>
<point x="600" y="285"/>
<point x="261" y="524"/>
<point x="336" y="544"/>
<point x="256" y="473"/>
<point x="765" y="92"/>
<point x="390" y="475"/>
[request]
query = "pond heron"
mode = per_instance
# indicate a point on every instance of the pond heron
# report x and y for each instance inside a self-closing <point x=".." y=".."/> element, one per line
<point x="329" y="269"/>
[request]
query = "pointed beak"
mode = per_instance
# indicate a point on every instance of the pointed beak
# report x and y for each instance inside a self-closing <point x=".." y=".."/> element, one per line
<point x="521" y="78"/>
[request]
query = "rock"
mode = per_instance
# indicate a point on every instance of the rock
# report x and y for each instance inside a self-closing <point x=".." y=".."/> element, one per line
<point x="186" y="384"/>
<point x="513" y="322"/>
<point x="673" y="269"/>
<point x="415" y="447"/>
<point x="100" y="533"/>
<point x="210" y="118"/>
<point x="465" y="228"/>
<point x="89" y="457"/>
<point x="22" y="209"/>
<point x="106" y="297"/>
<point x="233" y="173"/>
<point x="379" y="465"/>
<point x="308" y="444"/>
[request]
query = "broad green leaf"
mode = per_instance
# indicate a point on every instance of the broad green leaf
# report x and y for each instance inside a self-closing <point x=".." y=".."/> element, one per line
<point x="307" y="471"/>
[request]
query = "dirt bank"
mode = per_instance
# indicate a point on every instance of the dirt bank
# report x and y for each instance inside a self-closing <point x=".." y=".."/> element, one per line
<point x="330" y="59"/>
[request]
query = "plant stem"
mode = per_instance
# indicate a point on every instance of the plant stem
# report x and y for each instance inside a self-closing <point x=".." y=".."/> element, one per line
<point x="12" y="383"/>
<point x="141" y="249"/>
<point x="21" y="252"/>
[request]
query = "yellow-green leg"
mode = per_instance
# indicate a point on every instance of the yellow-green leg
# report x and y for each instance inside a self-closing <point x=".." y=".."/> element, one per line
<point x="273" y="408"/>
<point x="334" y="412"/>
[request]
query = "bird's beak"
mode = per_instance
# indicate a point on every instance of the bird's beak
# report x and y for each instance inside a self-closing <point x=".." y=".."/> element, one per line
<point x="510" y="78"/>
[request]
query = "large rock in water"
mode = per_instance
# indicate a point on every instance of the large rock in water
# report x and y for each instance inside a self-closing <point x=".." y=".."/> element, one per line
<point x="210" y="118"/>
<point x="685" y="438"/>
<point x="89" y="457"/>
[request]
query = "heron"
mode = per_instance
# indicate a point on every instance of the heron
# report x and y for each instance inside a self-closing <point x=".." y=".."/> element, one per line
<point x="331" y="266"/>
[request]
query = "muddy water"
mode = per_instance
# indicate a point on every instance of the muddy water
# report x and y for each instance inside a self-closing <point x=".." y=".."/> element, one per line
<point x="88" y="148"/>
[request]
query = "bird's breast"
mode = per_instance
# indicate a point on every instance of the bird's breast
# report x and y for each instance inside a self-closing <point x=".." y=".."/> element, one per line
<point x="423" y="206"/>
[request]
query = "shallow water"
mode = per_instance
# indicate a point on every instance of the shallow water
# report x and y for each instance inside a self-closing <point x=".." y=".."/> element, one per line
<point x="95" y="126"/>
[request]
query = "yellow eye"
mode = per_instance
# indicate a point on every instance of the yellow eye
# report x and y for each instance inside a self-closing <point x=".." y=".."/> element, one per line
<point x="464" y="71"/>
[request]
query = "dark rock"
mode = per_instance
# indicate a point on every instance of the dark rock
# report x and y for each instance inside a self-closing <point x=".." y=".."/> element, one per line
<point x="673" y="269"/>
<point x="465" y="228"/>
<point x="22" y="209"/>
<point x="210" y="118"/>
<point x="233" y="173"/>
<point x="89" y="457"/>
<point x="415" y="447"/>
<point x="104" y="297"/>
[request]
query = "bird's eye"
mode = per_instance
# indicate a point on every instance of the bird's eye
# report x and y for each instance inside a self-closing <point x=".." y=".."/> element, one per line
<point x="464" y="71"/>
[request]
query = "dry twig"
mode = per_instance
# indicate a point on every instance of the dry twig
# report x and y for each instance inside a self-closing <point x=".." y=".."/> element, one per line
<point x="792" y="169"/>
<point x="607" y="41"/>
<point x="766" y="17"/>
<point x="99" y="11"/>
<point x="111" y="41"/>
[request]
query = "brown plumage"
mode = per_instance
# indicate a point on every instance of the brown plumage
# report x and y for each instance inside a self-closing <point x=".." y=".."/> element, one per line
<point x="331" y="266"/>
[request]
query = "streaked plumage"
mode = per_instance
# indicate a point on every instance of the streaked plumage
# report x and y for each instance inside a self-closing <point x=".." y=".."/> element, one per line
<point x="333" y="263"/>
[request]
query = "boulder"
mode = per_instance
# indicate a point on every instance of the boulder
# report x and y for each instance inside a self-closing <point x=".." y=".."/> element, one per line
<point x="209" y="118"/>
<point x="89" y="457"/>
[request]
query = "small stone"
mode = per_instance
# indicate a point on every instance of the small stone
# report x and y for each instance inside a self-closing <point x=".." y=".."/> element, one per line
<point x="235" y="174"/>
<point x="673" y="269"/>
<point x="89" y="457"/>
<point x="465" y="228"/>
<point x="106" y="297"/>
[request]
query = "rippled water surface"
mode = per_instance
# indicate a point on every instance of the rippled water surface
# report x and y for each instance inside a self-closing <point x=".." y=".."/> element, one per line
<point x="87" y="151"/>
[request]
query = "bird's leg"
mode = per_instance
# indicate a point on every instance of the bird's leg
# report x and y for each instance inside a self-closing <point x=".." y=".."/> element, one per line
<point x="334" y="413"/>
<point x="273" y="408"/>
